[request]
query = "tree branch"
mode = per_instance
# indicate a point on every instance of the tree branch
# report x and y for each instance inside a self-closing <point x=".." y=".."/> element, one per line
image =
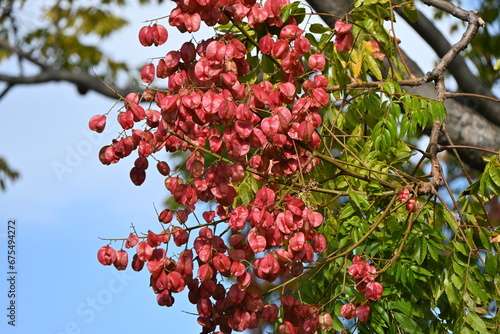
<point x="15" y="49"/>
<point x="466" y="80"/>
<point x="331" y="11"/>
<point x="83" y="80"/>
<point x="471" y="30"/>
<point x="464" y="124"/>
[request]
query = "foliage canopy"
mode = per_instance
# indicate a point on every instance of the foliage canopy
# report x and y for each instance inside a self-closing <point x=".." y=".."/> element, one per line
<point x="301" y="139"/>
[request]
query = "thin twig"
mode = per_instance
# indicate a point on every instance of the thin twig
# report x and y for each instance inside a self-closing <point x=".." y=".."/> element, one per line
<point x="450" y="95"/>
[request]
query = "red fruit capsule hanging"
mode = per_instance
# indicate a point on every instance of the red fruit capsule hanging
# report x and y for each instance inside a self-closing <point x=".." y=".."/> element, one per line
<point x="413" y="205"/>
<point x="97" y="123"/>
<point x="348" y="311"/>
<point x="106" y="255"/>
<point x="121" y="261"/>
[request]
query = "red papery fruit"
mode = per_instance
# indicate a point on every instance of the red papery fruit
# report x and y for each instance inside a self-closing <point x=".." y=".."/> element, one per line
<point x="164" y="236"/>
<point x="296" y="269"/>
<point x="158" y="279"/>
<point x="165" y="298"/>
<point x="138" y="112"/>
<point x="244" y="280"/>
<point x="313" y="217"/>
<point x="182" y="217"/>
<point x="256" y="241"/>
<point x="266" y="44"/>
<point x="237" y="219"/>
<point x="148" y="73"/>
<point x="221" y="262"/>
<point x="137" y="264"/>
<point x="203" y="250"/>
<point x="403" y="195"/>
<point x="317" y="62"/>
<point x="175" y="282"/>
<point x="185" y="263"/>
<point x="310" y="325"/>
<point x="161" y="70"/>
<point x="172" y="60"/>
<point x="362" y="271"/>
<point x="287" y="328"/>
<point x="413" y="205"/>
<point x="240" y="320"/>
<point x="181" y="236"/>
<point x="285" y="222"/>
<point x="342" y="28"/>
<point x="237" y="269"/>
<point x="153" y="240"/>
<point x="358" y="259"/>
<point x="344" y="39"/>
<point x="204" y="307"/>
<point x="205" y="272"/>
<point x="130" y="99"/>
<point x="207" y="289"/>
<point x="187" y="52"/>
<point x="264" y="198"/>
<point x="146" y="36"/>
<point x="268" y="264"/>
<point x="141" y="163"/>
<point x="163" y="168"/>
<point x="363" y="312"/>
<point x="97" y="123"/>
<point x="325" y="321"/>
<point x="348" y="311"/>
<point x="137" y="175"/>
<point x="144" y="251"/>
<point x="126" y="120"/>
<point x="270" y="312"/>
<point x="145" y="149"/>
<point x="208" y="216"/>
<point x="132" y="240"/>
<point x="290" y="32"/>
<point x="106" y="255"/>
<point x="297" y="241"/>
<point x="319" y="243"/>
<point x="280" y="48"/>
<point x="219" y="292"/>
<point x="360" y="285"/>
<point x="152" y="118"/>
<point x="165" y="216"/>
<point x="302" y="45"/>
<point x="159" y="34"/>
<point x="121" y="261"/>
<point x="374" y="291"/>
<point x="205" y="105"/>
<point x="123" y="147"/>
<point x="319" y="97"/>
<point x="257" y="16"/>
<point x="158" y="255"/>
<point x="287" y="91"/>
<point x="320" y="81"/>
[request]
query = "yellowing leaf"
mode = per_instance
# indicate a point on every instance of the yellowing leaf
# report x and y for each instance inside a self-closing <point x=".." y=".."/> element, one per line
<point x="356" y="64"/>
<point x="369" y="46"/>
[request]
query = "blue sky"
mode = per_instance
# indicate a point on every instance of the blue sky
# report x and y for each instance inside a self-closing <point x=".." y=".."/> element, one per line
<point x="65" y="199"/>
